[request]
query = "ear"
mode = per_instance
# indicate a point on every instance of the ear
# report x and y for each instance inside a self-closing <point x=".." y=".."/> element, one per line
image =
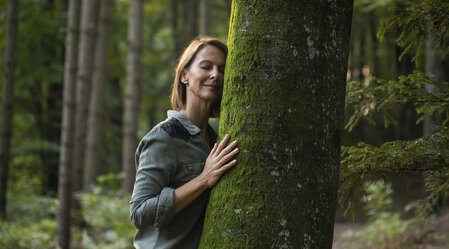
<point x="184" y="78"/>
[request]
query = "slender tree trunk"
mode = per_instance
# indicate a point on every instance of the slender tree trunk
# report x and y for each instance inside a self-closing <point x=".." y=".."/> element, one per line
<point x="434" y="67"/>
<point x="8" y="94"/>
<point x="192" y="18"/>
<point x="375" y="69"/>
<point x="437" y="69"/>
<point x="130" y="116"/>
<point x="88" y="36"/>
<point x="65" y="192"/>
<point x="115" y="124"/>
<point x="96" y="110"/>
<point x="175" y="27"/>
<point x="283" y="102"/>
<point x="204" y="17"/>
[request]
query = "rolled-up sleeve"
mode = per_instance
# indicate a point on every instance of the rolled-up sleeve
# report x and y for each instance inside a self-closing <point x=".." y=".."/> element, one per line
<point x="152" y="200"/>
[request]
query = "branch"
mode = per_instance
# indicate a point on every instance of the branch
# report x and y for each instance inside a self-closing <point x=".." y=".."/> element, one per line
<point x="382" y="97"/>
<point x="363" y="161"/>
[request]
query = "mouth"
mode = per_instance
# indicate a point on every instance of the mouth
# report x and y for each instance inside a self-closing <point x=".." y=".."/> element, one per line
<point x="212" y="86"/>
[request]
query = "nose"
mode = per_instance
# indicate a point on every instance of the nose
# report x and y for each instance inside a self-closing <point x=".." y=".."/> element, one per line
<point x="214" y="73"/>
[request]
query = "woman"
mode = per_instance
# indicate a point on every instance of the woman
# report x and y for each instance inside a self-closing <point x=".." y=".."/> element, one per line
<point x="178" y="161"/>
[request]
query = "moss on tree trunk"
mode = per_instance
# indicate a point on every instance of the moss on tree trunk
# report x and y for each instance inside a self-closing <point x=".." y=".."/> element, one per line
<point x="283" y="101"/>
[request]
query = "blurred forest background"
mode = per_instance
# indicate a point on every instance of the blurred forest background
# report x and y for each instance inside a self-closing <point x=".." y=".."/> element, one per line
<point x="394" y="180"/>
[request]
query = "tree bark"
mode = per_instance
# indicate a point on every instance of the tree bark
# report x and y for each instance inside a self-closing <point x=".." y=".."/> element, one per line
<point x="175" y="27"/>
<point x="8" y="94"/>
<point x="133" y="70"/>
<point x="96" y="110"/>
<point x="435" y="68"/>
<point x="191" y="13"/>
<point x="204" y="17"/>
<point x="65" y="193"/>
<point x="283" y="102"/>
<point x="88" y="36"/>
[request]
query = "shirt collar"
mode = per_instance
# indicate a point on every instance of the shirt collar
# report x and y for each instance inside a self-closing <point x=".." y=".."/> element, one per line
<point x="190" y="127"/>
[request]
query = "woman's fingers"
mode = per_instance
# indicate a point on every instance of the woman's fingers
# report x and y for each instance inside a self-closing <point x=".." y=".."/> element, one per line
<point x="222" y="144"/>
<point x="229" y="156"/>
<point x="228" y="149"/>
<point x="227" y="166"/>
<point x="213" y="150"/>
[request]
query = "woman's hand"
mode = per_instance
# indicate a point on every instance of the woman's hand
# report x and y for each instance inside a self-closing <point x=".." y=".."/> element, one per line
<point x="219" y="162"/>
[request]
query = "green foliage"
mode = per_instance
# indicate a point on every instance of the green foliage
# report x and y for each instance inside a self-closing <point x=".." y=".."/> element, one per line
<point x="437" y="188"/>
<point x="109" y="182"/>
<point x="31" y="217"/>
<point x="106" y="212"/>
<point x="418" y="22"/>
<point x="384" y="232"/>
<point x="378" y="200"/>
<point x="381" y="97"/>
<point x="25" y="235"/>
<point x="363" y="162"/>
<point x="386" y="229"/>
<point x="25" y="202"/>
<point x="31" y="222"/>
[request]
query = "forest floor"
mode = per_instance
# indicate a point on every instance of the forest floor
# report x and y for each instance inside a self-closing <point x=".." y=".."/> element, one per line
<point x="432" y="235"/>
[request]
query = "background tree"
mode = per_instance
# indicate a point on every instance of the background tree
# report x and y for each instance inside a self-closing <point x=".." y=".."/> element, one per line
<point x="95" y="132"/>
<point x="133" y="71"/>
<point x="283" y="101"/>
<point x="363" y="163"/>
<point x="65" y="192"/>
<point x="204" y="10"/>
<point x="38" y="104"/>
<point x="86" y="59"/>
<point x="7" y="102"/>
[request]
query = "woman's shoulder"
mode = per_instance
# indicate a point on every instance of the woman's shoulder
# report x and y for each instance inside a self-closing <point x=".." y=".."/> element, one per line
<point x="169" y="128"/>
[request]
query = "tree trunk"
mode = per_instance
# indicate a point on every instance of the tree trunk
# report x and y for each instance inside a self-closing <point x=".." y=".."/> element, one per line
<point x="8" y="93"/>
<point x="96" y="110"/>
<point x="204" y="17"/>
<point x="435" y="68"/>
<point x="175" y="27"/>
<point x="283" y="102"/>
<point x="65" y="192"/>
<point x="89" y="19"/>
<point x="130" y="116"/>
<point x="191" y="13"/>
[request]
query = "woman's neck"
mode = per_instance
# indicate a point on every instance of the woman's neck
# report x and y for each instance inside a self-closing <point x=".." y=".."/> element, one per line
<point x="198" y="114"/>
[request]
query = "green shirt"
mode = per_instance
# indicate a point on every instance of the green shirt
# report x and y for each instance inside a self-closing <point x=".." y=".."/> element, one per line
<point x="171" y="154"/>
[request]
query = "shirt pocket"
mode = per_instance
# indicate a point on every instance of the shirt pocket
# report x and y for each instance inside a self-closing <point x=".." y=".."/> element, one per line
<point x="190" y="170"/>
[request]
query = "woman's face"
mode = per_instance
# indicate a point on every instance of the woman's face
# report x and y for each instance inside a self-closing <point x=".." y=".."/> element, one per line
<point x="204" y="77"/>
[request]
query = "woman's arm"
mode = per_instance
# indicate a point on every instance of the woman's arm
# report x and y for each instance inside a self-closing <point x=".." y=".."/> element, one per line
<point x="217" y="163"/>
<point x="152" y="201"/>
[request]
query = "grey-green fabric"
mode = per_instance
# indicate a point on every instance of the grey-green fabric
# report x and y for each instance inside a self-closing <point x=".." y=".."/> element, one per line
<point x="171" y="154"/>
